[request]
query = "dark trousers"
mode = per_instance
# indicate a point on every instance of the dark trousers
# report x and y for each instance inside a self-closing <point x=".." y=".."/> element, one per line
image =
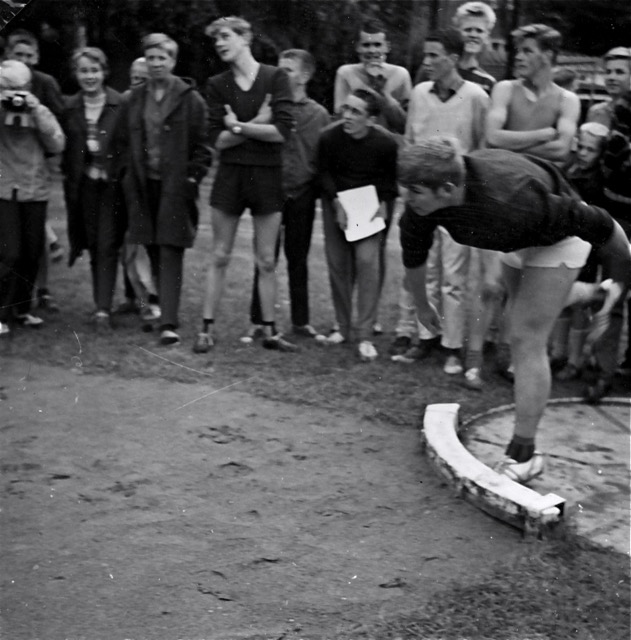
<point x="103" y="227"/>
<point x="298" y="216"/>
<point x="167" y="264"/>
<point x="21" y="246"/>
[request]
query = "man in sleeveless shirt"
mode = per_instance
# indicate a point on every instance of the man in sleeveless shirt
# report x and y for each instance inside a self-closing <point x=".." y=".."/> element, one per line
<point x="532" y="114"/>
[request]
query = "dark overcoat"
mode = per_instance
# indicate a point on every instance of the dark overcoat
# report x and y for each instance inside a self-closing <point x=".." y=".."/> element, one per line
<point x="76" y="157"/>
<point x="185" y="157"/>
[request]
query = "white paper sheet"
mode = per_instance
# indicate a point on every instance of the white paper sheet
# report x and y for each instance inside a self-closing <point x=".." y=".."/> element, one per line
<point x="360" y="205"/>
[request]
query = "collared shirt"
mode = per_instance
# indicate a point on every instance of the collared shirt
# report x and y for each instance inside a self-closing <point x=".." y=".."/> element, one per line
<point x="511" y="201"/>
<point x="154" y="115"/>
<point x="462" y="116"/>
<point x="445" y="93"/>
<point x="301" y="150"/>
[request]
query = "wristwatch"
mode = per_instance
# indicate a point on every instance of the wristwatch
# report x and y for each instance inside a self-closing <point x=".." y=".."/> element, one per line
<point x="236" y="129"/>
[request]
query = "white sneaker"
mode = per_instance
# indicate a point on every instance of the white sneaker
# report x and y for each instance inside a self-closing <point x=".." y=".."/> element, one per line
<point x="473" y="379"/>
<point x="367" y="351"/>
<point x="27" y="320"/>
<point x="335" y="337"/>
<point x="522" y="472"/>
<point x="453" y="365"/>
<point x="151" y="313"/>
<point x="4" y="329"/>
<point x="168" y="337"/>
<point x="377" y="329"/>
<point x="255" y="332"/>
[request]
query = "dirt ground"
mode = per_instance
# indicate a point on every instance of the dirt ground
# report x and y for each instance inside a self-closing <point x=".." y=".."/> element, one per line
<point x="148" y="509"/>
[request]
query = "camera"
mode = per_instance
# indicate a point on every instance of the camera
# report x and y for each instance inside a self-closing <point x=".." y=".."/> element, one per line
<point x="17" y="110"/>
<point x="15" y="102"/>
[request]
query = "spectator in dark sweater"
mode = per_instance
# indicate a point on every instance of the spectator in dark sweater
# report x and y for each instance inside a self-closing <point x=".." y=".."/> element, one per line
<point x="352" y="154"/>
<point x="250" y="108"/>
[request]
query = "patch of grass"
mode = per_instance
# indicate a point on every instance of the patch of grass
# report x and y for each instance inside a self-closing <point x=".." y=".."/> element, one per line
<point x="333" y="377"/>
<point x="555" y="591"/>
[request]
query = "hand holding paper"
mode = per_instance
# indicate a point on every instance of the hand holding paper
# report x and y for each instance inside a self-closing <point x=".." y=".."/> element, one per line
<point x="361" y="206"/>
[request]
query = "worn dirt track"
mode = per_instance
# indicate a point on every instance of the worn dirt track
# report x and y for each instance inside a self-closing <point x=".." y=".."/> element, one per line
<point x="148" y="509"/>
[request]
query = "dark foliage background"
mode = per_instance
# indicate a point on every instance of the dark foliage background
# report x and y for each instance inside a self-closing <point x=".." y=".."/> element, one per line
<point x="325" y="27"/>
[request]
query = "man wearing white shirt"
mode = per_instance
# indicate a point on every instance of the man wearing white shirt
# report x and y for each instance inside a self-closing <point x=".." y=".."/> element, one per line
<point x="445" y="105"/>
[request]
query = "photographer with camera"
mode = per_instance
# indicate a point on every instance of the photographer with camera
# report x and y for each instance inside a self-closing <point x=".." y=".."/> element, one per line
<point x="28" y="131"/>
<point x="23" y="46"/>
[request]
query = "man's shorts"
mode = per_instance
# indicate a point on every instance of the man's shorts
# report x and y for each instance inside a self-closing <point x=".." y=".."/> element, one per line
<point x="238" y="187"/>
<point x="571" y="252"/>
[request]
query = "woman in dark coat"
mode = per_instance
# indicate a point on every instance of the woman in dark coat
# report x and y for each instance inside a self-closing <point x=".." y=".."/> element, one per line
<point x="164" y="125"/>
<point x="94" y="215"/>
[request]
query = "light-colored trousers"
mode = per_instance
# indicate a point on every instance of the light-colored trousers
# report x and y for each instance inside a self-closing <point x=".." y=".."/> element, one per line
<point x="446" y="283"/>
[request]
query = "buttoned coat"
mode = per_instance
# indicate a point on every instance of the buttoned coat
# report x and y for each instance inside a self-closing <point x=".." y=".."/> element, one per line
<point x="76" y="157"/>
<point x="184" y="154"/>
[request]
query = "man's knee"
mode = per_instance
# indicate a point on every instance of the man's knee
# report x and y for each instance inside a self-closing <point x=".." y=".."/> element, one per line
<point x="220" y="258"/>
<point x="266" y="264"/>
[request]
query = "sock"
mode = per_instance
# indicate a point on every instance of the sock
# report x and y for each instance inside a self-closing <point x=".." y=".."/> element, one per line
<point x="153" y="298"/>
<point x="206" y="322"/>
<point x="167" y="327"/>
<point x="521" y="449"/>
<point x="270" y="327"/>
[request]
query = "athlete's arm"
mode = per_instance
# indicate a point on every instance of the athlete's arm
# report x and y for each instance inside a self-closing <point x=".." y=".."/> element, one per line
<point x="425" y="312"/>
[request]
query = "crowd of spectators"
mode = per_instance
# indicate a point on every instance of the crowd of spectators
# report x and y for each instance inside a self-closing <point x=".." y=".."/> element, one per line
<point x="132" y="164"/>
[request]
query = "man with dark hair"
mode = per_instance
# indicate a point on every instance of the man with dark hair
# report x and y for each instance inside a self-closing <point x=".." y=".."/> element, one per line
<point x="353" y="153"/>
<point x="617" y="62"/>
<point x="391" y="82"/>
<point x="524" y="207"/>
<point x="446" y="105"/>
<point x="22" y="45"/>
<point x="300" y="189"/>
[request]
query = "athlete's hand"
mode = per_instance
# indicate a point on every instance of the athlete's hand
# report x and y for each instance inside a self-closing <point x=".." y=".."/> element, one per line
<point x="429" y="318"/>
